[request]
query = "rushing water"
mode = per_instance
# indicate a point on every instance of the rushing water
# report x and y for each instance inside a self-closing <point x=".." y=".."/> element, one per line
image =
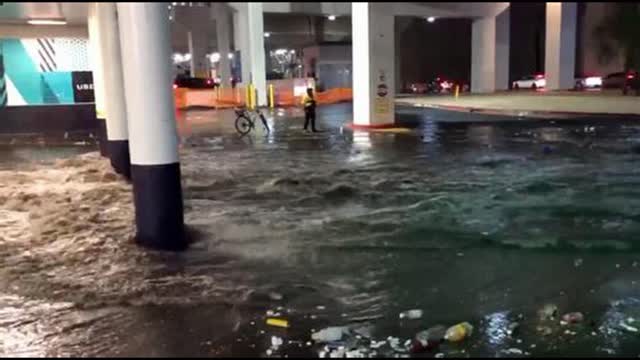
<point x="477" y="222"/>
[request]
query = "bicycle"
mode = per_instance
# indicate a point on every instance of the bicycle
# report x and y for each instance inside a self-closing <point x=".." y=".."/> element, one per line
<point x="245" y="120"/>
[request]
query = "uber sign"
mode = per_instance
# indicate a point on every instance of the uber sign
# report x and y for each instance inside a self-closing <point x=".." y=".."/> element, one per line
<point x="82" y="82"/>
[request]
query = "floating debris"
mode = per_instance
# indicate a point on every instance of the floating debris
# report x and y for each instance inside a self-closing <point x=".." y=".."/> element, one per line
<point x="573" y="318"/>
<point x="548" y="312"/>
<point x="513" y="351"/>
<point x="278" y="322"/>
<point x="459" y="332"/>
<point x="276" y="342"/>
<point x="411" y="314"/>
<point x="545" y="330"/>
<point x="432" y="336"/>
<point x="329" y="334"/>
<point x="628" y="328"/>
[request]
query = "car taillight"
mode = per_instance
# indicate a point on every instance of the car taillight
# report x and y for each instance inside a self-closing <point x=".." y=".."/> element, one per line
<point x="539" y="76"/>
<point x="630" y="76"/>
<point x="208" y="81"/>
<point x="175" y="86"/>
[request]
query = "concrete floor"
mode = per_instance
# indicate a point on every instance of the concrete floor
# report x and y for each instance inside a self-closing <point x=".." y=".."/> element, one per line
<point x="609" y="102"/>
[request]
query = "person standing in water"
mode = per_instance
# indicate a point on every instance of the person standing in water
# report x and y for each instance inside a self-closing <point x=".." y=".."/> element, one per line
<point x="309" y="104"/>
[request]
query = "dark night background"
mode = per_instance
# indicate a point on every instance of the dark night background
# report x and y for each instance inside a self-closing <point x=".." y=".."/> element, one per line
<point x="443" y="48"/>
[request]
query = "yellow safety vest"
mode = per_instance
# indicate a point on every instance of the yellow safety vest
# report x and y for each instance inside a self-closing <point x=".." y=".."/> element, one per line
<point x="307" y="100"/>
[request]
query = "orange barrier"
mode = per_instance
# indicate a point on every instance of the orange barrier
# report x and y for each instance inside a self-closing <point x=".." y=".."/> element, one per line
<point x="231" y="97"/>
<point x="331" y="96"/>
<point x="212" y="98"/>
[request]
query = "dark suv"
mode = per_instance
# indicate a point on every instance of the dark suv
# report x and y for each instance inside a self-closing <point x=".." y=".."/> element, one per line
<point x="631" y="82"/>
<point x="194" y="83"/>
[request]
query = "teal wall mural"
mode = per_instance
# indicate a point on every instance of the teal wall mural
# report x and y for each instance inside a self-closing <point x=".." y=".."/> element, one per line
<point x="40" y="71"/>
<point x="3" y="85"/>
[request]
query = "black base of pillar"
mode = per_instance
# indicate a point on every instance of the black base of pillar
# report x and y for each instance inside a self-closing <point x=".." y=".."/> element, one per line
<point x="157" y="195"/>
<point x="119" y="155"/>
<point x="101" y="135"/>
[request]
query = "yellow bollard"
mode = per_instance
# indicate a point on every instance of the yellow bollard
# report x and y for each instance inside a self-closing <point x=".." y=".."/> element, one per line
<point x="271" y="103"/>
<point x="457" y="91"/>
<point x="255" y="97"/>
<point x="248" y="96"/>
<point x="252" y="97"/>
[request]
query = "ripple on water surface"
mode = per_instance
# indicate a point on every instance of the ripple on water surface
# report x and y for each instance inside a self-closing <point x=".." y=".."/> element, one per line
<point x="478" y="233"/>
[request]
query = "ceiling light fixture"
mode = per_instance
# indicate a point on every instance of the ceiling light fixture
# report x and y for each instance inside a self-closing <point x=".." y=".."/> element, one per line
<point x="47" y="22"/>
<point x="331" y="17"/>
<point x="431" y="19"/>
<point x="267" y="34"/>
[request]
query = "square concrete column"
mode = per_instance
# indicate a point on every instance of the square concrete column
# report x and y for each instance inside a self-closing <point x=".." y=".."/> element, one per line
<point x="223" y="39"/>
<point x="250" y="29"/>
<point x="373" y="64"/>
<point x="560" y="47"/>
<point x="198" y="49"/>
<point x="490" y="53"/>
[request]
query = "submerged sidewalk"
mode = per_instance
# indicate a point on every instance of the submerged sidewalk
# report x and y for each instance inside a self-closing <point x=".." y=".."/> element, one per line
<point x="542" y="104"/>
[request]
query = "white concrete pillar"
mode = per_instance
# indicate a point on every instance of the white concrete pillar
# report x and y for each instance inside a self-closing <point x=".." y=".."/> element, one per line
<point x="373" y="64"/>
<point x="223" y="39"/>
<point x="250" y="29"/>
<point x="256" y="51"/>
<point x="241" y="40"/>
<point x="95" y="59"/>
<point x="560" y="47"/>
<point x="153" y="140"/>
<point x="198" y="49"/>
<point x="490" y="53"/>
<point x="115" y="104"/>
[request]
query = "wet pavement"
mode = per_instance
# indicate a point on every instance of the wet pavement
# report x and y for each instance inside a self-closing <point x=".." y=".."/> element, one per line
<point x="484" y="222"/>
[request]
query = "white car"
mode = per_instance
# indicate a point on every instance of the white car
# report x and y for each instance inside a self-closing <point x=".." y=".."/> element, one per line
<point x="588" y="82"/>
<point x="530" y="82"/>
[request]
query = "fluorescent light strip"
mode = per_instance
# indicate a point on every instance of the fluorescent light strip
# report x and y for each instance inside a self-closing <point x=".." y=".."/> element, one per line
<point x="46" y="22"/>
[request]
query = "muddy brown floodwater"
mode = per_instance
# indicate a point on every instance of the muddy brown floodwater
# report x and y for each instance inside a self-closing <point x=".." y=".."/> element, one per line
<point x="481" y="222"/>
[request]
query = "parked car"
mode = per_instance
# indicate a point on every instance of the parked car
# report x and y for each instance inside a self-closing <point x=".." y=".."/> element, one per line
<point x="587" y="81"/>
<point x="194" y="83"/>
<point x="430" y="87"/>
<point x="530" y="82"/>
<point x="631" y="82"/>
<point x="614" y="80"/>
<point x="437" y="86"/>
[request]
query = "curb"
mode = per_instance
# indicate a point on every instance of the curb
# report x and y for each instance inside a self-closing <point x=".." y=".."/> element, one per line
<point x="525" y="113"/>
<point x="386" y="128"/>
<point x="372" y="127"/>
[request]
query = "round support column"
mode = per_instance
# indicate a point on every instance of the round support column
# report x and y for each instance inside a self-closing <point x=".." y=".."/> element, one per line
<point x="97" y="67"/>
<point x="117" y="132"/>
<point x="153" y="139"/>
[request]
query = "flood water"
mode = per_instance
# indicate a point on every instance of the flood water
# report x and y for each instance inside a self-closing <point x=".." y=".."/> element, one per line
<point x="468" y="221"/>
